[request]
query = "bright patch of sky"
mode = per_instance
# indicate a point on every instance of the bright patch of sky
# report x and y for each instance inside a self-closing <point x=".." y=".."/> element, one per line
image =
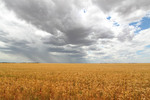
<point x="143" y="24"/>
<point x="116" y="24"/>
<point x="139" y="52"/>
<point x="108" y="18"/>
<point x="148" y="46"/>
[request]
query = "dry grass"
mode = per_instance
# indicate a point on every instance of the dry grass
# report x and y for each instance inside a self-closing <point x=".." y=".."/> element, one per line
<point x="74" y="81"/>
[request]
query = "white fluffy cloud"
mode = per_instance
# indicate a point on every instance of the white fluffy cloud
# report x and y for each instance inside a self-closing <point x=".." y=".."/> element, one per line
<point x="74" y="31"/>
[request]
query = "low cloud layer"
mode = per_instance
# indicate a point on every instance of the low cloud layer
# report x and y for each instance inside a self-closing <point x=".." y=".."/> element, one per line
<point x="72" y="31"/>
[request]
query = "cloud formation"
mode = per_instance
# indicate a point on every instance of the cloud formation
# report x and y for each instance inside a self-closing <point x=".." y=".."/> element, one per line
<point x="72" y="31"/>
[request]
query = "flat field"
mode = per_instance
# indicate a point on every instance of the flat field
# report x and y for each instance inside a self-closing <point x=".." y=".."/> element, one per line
<point x="74" y="81"/>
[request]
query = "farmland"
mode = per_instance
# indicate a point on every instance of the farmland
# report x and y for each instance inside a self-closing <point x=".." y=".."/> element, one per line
<point x="74" y="81"/>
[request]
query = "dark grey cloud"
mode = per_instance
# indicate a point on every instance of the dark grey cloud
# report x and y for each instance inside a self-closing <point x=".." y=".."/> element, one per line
<point x="53" y="16"/>
<point x="104" y="34"/>
<point x="63" y="50"/>
<point x="124" y="8"/>
<point x="22" y="48"/>
<point x="53" y="40"/>
<point x="78" y="36"/>
<point x="93" y="48"/>
<point x="106" y="41"/>
<point x="107" y="5"/>
<point x="44" y="54"/>
<point x="131" y="6"/>
<point x="47" y="15"/>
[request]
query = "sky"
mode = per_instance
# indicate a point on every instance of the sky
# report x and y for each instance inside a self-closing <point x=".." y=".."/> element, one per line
<point x="75" y="31"/>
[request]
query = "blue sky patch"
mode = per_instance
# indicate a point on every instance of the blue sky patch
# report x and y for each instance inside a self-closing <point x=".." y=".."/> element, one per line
<point x="133" y="24"/>
<point x="145" y="24"/>
<point x="108" y="18"/>
<point x="139" y="52"/>
<point x="148" y="46"/>
<point x="116" y="24"/>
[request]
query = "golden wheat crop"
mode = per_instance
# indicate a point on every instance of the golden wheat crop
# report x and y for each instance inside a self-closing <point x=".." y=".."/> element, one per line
<point x="74" y="81"/>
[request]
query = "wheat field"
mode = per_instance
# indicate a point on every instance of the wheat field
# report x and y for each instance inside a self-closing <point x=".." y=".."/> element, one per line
<point x="74" y="81"/>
